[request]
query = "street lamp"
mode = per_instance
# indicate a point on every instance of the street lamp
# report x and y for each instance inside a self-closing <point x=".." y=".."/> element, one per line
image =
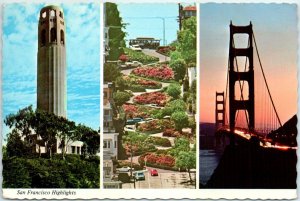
<point x="164" y="30"/>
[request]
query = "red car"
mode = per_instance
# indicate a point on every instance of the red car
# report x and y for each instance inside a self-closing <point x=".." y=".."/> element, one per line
<point x="153" y="172"/>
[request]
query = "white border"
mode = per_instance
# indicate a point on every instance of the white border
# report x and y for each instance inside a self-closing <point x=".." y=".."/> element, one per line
<point x="157" y="194"/>
<point x="153" y="193"/>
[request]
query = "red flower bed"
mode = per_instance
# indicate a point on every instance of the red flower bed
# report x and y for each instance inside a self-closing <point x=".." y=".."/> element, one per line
<point x="165" y="49"/>
<point x="137" y="111"/>
<point x="150" y="126"/>
<point x="162" y="73"/>
<point x="164" y="160"/>
<point x="158" y="98"/>
<point x="128" y="109"/>
<point x="123" y="58"/>
<point x="147" y="82"/>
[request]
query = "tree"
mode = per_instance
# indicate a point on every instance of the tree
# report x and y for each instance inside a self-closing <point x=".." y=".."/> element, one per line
<point x="187" y="40"/>
<point x="90" y="138"/>
<point x="133" y="142"/>
<point x="186" y="160"/>
<point x="121" y="97"/>
<point x="180" y="119"/>
<point x="121" y="83"/>
<point x="181" y="144"/>
<point x="47" y="126"/>
<point x="179" y="68"/>
<point x="115" y="34"/>
<point x="67" y="134"/>
<point x="111" y="72"/>
<point x="22" y="122"/>
<point x="173" y="106"/>
<point x="174" y="90"/>
<point x="16" y="146"/>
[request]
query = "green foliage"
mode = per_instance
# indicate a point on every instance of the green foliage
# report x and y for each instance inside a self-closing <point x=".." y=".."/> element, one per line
<point x="139" y="56"/>
<point x="180" y="119"/>
<point x="174" y="106"/>
<point x="111" y="72"/>
<point x="193" y="88"/>
<point x="121" y="97"/>
<point x="56" y="173"/>
<point x="49" y="127"/>
<point x="181" y="144"/>
<point x="174" y="90"/>
<point x="121" y="83"/>
<point x="22" y="121"/>
<point x="186" y="160"/>
<point x="90" y="138"/>
<point x="187" y="40"/>
<point x="164" y="142"/>
<point x="15" y="175"/>
<point x="136" y="143"/>
<point x="192" y="124"/>
<point x="185" y="96"/>
<point x="115" y="34"/>
<point x="16" y="146"/>
<point x="179" y="68"/>
<point x="186" y="83"/>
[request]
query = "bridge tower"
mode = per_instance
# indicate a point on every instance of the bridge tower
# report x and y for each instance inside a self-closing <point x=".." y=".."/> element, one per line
<point x="235" y="76"/>
<point x="220" y="109"/>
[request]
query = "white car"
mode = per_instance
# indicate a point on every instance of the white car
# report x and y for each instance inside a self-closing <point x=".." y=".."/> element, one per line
<point x="129" y="128"/>
<point x="136" y="48"/>
<point x="133" y="64"/>
<point x="125" y="169"/>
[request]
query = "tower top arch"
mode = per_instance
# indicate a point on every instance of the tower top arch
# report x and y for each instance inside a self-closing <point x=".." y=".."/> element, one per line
<point x="51" y="29"/>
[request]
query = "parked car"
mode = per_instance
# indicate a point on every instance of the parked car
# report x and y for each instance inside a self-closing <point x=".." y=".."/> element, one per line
<point x="133" y="64"/>
<point x="153" y="172"/>
<point x="149" y="119"/>
<point x="136" y="48"/>
<point x="139" y="175"/>
<point x="124" y="169"/>
<point x="134" y="121"/>
<point x="129" y="128"/>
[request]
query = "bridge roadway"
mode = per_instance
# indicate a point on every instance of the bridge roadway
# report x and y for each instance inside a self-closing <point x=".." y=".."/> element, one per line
<point x="264" y="142"/>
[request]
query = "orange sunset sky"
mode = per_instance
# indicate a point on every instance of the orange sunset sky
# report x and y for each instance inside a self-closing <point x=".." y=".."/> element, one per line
<point x="275" y="30"/>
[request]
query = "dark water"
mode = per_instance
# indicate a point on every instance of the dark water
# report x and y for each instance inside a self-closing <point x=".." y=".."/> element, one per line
<point x="209" y="160"/>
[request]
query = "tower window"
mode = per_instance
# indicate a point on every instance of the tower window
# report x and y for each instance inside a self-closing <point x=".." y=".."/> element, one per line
<point x="52" y="13"/>
<point x="43" y="37"/>
<point x="44" y="14"/>
<point x="53" y="35"/>
<point x="61" y="14"/>
<point x="62" y="37"/>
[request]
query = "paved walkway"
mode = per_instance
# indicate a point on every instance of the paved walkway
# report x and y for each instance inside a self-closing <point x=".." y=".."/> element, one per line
<point x="153" y="53"/>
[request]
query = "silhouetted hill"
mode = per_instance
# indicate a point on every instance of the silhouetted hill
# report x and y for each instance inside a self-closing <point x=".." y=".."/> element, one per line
<point x="255" y="167"/>
<point x="287" y="134"/>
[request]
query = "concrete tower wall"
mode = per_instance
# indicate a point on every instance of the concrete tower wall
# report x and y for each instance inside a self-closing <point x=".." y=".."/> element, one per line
<point x="51" y="79"/>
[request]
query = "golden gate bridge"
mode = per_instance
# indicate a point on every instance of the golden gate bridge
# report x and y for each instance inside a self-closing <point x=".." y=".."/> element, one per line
<point x="242" y="122"/>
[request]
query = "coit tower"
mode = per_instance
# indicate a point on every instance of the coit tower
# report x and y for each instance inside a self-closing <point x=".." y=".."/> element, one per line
<point x="51" y="61"/>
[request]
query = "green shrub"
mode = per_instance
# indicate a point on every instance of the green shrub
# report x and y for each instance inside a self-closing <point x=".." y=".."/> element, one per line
<point x="72" y="172"/>
<point x="174" y="90"/>
<point x="164" y="142"/>
<point x="139" y="56"/>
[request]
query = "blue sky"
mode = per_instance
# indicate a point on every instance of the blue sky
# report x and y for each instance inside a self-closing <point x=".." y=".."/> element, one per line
<point x="275" y="30"/>
<point x="20" y="27"/>
<point x="143" y="21"/>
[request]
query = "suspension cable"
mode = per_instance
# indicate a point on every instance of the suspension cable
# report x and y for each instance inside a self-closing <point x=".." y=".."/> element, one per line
<point x="266" y="81"/>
